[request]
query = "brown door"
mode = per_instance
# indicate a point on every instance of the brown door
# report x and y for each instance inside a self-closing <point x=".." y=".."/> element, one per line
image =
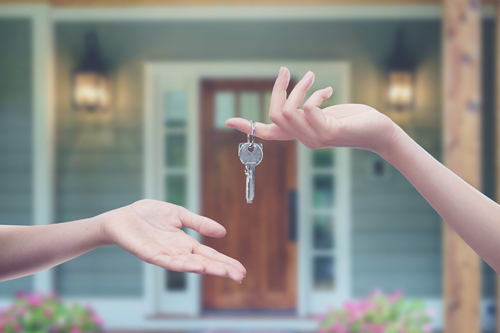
<point x="261" y="234"/>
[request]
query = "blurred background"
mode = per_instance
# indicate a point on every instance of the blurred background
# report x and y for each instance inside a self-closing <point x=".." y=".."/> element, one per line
<point x="103" y="103"/>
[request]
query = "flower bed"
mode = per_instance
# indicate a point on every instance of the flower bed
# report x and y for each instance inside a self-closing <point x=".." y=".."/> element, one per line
<point x="35" y="313"/>
<point x="379" y="313"/>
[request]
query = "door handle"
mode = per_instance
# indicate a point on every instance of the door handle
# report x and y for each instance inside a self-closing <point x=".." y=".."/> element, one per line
<point x="292" y="215"/>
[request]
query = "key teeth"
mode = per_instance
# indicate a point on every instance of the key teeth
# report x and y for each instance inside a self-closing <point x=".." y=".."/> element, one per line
<point x="249" y="201"/>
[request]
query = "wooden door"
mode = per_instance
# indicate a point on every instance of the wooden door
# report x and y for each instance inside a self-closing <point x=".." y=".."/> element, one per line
<point x="260" y="234"/>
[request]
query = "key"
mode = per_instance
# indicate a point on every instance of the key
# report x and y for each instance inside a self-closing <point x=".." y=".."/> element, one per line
<point x="250" y="154"/>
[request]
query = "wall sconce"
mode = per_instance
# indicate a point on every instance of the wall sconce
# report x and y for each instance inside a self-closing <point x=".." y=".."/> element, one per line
<point x="92" y="91"/>
<point x="400" y="78"/>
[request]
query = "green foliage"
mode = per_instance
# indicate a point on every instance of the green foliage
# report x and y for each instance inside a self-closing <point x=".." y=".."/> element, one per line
<point x="34" y="313"/>
<point x="378" y="313"/>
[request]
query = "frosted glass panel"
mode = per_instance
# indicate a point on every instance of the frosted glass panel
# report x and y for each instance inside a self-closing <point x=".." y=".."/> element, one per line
<point x="176" y="190"/>
<point x="224" y="108"/>
<point x="323" y="272"/>
<point x="323" y="158"/>
<point x="176" y="281"/>
<point x="176" y="150"/>
<point x="323" y="191"/>
<point x="323" y="232"/>
<point x="175" y="109"/>
<point x="249" y="106"/>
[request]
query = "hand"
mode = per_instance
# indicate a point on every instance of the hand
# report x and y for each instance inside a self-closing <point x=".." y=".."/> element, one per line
<point x="151" y="230"/>
<point x="345" y="125"/>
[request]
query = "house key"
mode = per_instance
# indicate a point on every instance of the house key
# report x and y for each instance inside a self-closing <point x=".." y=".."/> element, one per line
<point x="250" y="154"/>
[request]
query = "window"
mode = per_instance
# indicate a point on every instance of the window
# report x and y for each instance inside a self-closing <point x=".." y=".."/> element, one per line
<point x="175" y="167"/>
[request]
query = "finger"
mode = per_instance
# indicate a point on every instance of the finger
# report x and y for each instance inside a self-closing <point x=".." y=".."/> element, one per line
<point x="278" y="100"/>
<point x="263" y="131"/>
<point x="178" y="264"/>
<point x="278" y="96"/>
<point x="298" y="120"/>
<point x="217" y="256"/>
<point x="314" y="114"/>
<point x="295" y="116"/>
<point x="199" y="265"/>
<point x="298" y="93"/>
<point x="201" y="224"/>
<point x="217" y="268"/>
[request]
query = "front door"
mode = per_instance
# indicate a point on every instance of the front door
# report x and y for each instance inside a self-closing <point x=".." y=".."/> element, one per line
<point x="262" y="234"/>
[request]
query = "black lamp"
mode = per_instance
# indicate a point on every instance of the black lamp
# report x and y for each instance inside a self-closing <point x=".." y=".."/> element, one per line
<point x="400" y="78"/>
<point x="90" y="80"/>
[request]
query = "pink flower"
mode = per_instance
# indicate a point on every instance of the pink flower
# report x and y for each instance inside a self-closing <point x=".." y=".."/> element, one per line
<point x="47" y="313"/>
<point x="75" y="329"/>
<point x="34" y="300"/>
<point x="21" y="294"/>
<point x="97" y="320"/>
<point x="320" y="318"/>
<point x="339" y="329"/>
<point x="21" y="310"/>
<point x="321" y="330"/>
<point x="396" y="296"/>
<point x="17" y="327"/>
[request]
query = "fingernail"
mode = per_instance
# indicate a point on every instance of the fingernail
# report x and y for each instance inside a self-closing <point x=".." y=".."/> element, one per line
<point x="307" y="75"/>
<point x="330" y="93"/>
<point x="282" y="70"/>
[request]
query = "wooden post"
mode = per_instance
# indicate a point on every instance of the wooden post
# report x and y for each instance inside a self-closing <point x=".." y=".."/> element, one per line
<point x="462" y="154"/>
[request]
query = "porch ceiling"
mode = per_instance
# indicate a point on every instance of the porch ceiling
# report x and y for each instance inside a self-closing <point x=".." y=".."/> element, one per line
<point x="111" y="3"/>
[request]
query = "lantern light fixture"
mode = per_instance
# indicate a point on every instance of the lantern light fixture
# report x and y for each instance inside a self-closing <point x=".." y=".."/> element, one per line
<point x="400" y="78"/>
<point x="90" y="80"/>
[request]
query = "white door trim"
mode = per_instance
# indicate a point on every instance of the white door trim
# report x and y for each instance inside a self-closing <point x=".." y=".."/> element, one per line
<point x="186" y="76"/>
<point x="43" y="141"/>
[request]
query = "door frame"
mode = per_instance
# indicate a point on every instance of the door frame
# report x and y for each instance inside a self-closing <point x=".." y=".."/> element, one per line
<point x="186" y="76"/>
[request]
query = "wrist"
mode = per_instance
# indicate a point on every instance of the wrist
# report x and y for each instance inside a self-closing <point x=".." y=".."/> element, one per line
<point x="99" y="225"/>
<point x="393" y="148"/>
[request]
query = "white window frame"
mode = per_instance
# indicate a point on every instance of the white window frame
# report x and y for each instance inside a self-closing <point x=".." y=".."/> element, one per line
<point x="161" y="78"/>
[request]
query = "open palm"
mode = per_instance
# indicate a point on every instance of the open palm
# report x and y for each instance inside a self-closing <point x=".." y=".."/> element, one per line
<point x="151" y="230"/>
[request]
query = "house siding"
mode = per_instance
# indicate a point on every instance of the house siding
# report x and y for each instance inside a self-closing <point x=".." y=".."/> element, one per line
<point x="15" y="132"/>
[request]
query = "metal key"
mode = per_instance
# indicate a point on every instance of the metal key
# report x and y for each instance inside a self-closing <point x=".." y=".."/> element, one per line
<point x="250" y="154"/>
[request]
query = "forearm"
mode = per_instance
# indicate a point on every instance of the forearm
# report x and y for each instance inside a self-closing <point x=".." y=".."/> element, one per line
<point x="475" y="217"/>
<point x="26" y="250"/>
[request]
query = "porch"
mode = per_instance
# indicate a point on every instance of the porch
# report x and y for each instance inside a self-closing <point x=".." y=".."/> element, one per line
<point x="359" y="225"/>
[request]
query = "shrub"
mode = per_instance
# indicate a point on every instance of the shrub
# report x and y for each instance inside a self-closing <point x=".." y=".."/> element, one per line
<point x="34" y="313"/>
<point x="379" y="313"/>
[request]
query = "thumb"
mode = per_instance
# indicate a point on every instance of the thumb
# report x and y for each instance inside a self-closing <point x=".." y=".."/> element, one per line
<point x="201" y="224"/>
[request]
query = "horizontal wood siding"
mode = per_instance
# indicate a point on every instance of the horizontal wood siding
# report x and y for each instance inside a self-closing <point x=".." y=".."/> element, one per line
<point x="396" y="233"/>
<point x="15" y="132"/>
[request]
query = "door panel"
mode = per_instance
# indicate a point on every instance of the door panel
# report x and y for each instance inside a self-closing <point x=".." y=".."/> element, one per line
<point x="257" y="233"/>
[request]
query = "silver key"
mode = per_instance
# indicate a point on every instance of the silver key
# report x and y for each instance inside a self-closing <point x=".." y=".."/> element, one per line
<point x="250" y="154"/>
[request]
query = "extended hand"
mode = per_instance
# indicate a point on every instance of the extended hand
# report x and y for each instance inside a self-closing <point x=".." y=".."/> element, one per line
<point x="151" y="230"/>
<point x="346" y="125"/>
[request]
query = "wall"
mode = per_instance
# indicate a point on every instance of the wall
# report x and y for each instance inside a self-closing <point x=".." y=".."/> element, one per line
<point x="15" y="132"/>
<point x="396" y="234"/>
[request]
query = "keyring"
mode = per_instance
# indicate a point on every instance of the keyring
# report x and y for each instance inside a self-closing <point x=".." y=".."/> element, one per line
<point x="253" y="134"/>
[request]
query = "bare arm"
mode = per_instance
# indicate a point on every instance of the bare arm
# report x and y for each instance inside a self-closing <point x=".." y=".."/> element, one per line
<point x="471" y="214"/>
<point x="148" y="229"/>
